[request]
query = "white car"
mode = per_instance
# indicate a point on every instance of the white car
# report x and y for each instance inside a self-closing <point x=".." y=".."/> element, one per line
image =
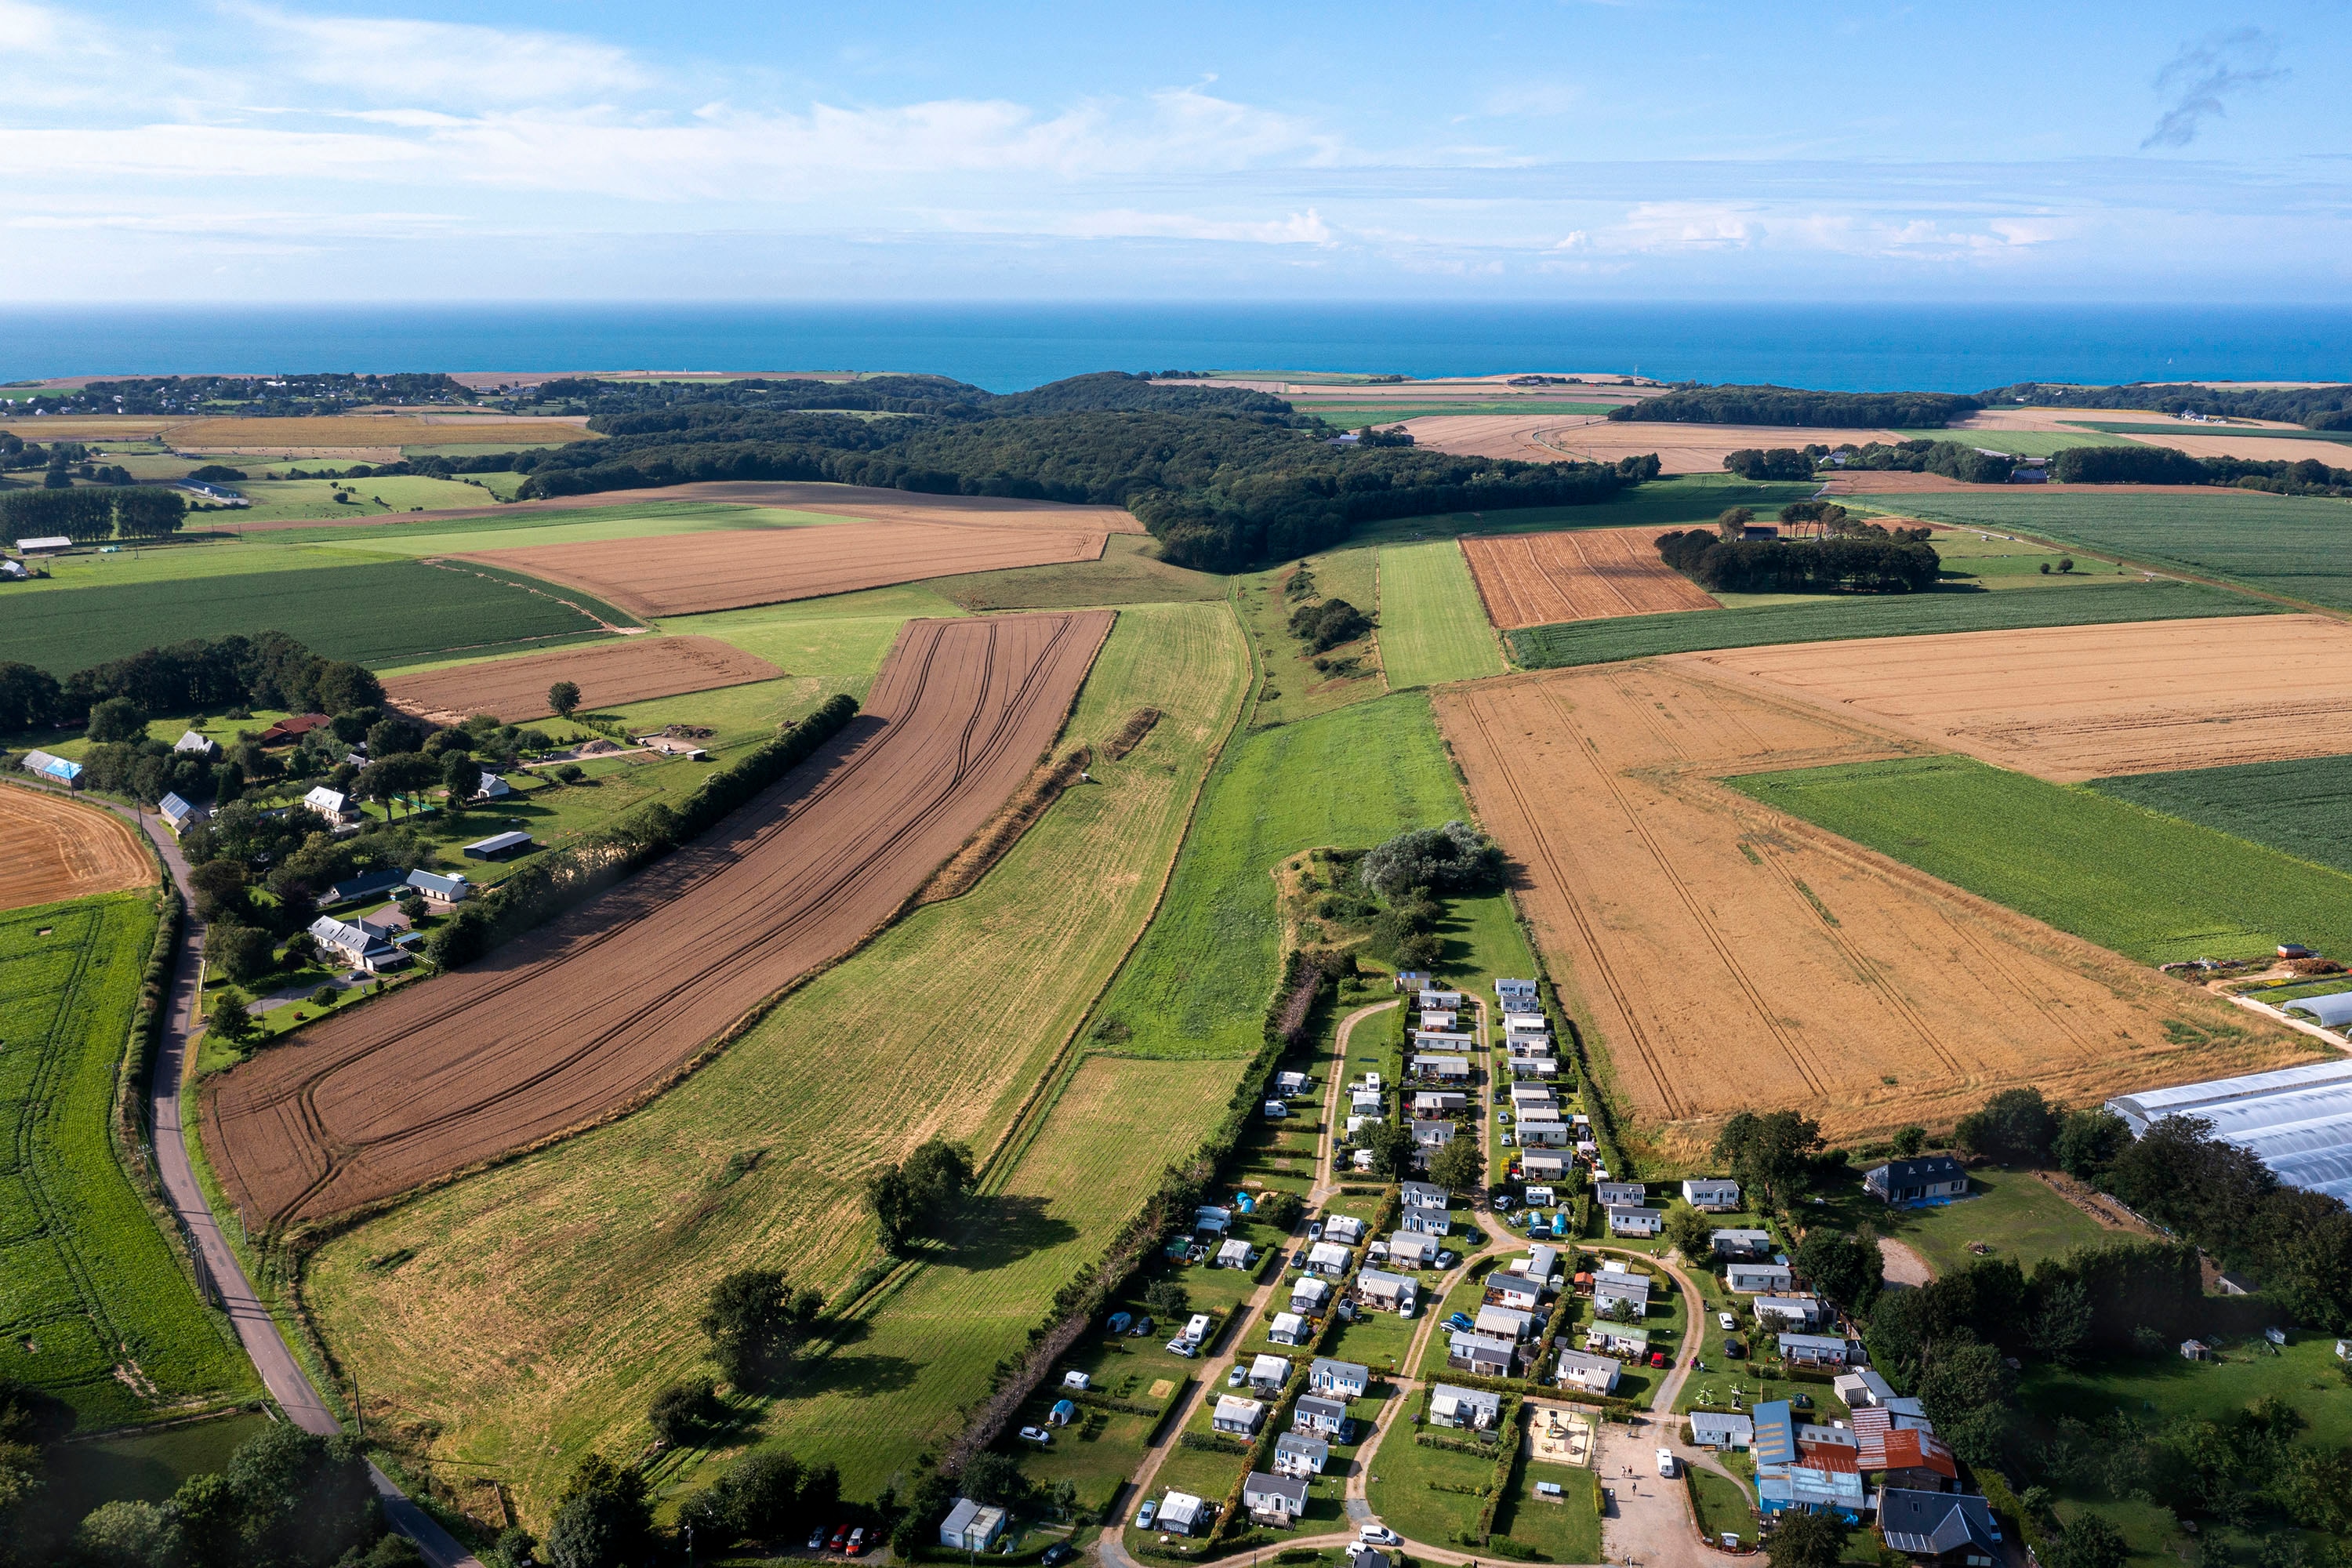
<point x="1378" y="1535"/>
<point x="1727" y="1322"/>
<point x="1180" y="1347"/>
<point x="1035" y="1435"/>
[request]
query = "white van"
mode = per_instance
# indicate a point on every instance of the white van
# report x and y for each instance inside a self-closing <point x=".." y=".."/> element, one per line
<point x="1666" y="1463"/>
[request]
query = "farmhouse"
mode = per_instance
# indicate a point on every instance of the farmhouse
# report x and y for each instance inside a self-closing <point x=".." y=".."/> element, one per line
<point x="1624" y="1221"/>
<point x="1483" y="1355"/>
<point x="1319" y="1418"/>
<point x="1311" y="1295"/>
<point x="1347" y="1379"/>
<point x="1812" y="1350"/>
<point x="1296" y="1454"/>
<point x="1274" y="1499"/>
<point x="970" y="1526"/>
<point x="1238" y="1415"/>
<point x="1377" y="1288"/>
<point x="2298" y="1120"/>
<point x="500" y="847"/>
<point x="287" y="730"/>
<point x="1408" y="1250"/>
<point x="1182" y="1513"/>
<point x="1269" y="1373"/>
<point x="1720" y="1432"/>
<point x="1742" y="1243"/>
<point x="356" y="945"/>
<point x="1953" y="1529"/>
<point x="440" y="890"/>
<point x="1719" y="1194"/>
<point x="1932" y="1178"/>
<point x="54" y="768"/>
<point x="1583" y="1371"/>
<point x="1752" y="1278"/>
<point x="331" y="803"/>
<point x="366" y="885"/>
<point x="178" y="814"/>
<point x="1473" y="1407"/>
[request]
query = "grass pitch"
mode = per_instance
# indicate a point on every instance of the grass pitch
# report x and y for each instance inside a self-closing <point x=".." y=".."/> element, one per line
<point x="1432" y="625"/>
<point x="93" y="1306"/>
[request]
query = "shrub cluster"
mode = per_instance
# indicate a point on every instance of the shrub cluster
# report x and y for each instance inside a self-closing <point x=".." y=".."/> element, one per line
<point x="1844" y="564"/>
<point x="1695" y="405"/>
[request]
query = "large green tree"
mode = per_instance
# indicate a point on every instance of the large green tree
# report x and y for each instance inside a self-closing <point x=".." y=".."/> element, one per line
<point x="1767" y="1151"/>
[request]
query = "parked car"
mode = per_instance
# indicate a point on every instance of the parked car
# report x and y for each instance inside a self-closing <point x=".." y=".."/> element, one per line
<point x="1460" y="1320"/>
<point x="840" y="1537"/>
<point x="1180" y="1347"/>
<point x="1147" y="1513"/>
<point x="1233" y="1379"/>
<point x="1726" y="1320"/>
<point x="1506" y="1140"/>
<point x="1657" y="1358"/>
<point x="1057" y="1554"/>
<point x="1315" y="1231"/>
<point x="1666" y="1463"/>
<point x="1445" y="1260"/>
<point x="1734" y="1349"/>
<point x="1378" y="1535"/>
<point x="1142" y="1328"/>
<point x="1038" y="1435"/>
<point x="856" y="1547"/>
<point x="1503" y="1202"/>
<point x="816" y="1539"/>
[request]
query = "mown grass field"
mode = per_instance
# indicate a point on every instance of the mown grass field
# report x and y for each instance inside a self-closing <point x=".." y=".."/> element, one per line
<point x="1128" y="573"/>
<point x="279" y="500"/>
<point x="2301" y="807"/>
<point x="1290" y="687"/>
<point x="2150" y="887"/>
<point x="1432" y="625"/>
<point x="1838" y="618"/>
<point x="1199" y="982"/>
<point x="531" y="1312"/>
<point x="2015" y="1213"/>
<point x="2300" y="546"/>
<point x="1677" y="502"/>
<point x="384" y="614"/>
<point x="88" y="1288"/>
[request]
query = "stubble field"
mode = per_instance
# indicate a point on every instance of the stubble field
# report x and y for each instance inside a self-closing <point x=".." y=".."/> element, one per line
<point x="2069" y="703"/>
<point x="1729" y="957"/>
<point x="1538" y="579"/>
<point x="602" y="1005"/>
<point x="728" y="570"/>
<point x="608" y="675"/>
<point x="533" y="1309"/>
<point x="58" y="848"/>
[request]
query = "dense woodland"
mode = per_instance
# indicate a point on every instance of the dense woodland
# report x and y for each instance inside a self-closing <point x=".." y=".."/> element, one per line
<point x="1838" y="564"/>
<point x="1695" y="405"/>
<point x="2314" y="408"/>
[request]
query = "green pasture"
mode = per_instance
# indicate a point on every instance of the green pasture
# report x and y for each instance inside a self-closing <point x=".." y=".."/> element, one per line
<point x="2297" y="546"/>
<point x="432" y="535"/>
<point x="2018" y="443"/>
<point x="1290" y="687"/>
<point x="1129" y="573"/>
<point x="478" y="449"/>
<point x="281" y="500"/>
<point x="2014" y="1212"/>
<point x="380" y="614"/>
<point x="92" y="1299"/>
<point x="193" y="556"/>
<point x="1679" y="502"/>
<point x="839" y="642"/>
<point x="2305" y="1374"/>
<point x="2301" y="807"/>
<point x="1355" y="415"/>
<point x="1433" y="625"/>
<point x="2222" y="428"/>
<point x="1835" y="617"/>
<point x="2151" y="887"/>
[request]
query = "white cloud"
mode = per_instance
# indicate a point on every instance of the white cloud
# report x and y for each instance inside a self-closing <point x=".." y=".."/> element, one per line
<point x="1294" y="228"/>
<point x="442" y="62"/>
<point x="1684" y="226"/>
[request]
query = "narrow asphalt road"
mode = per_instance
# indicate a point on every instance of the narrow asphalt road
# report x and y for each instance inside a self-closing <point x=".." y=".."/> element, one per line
<point x="255" y="1328"/>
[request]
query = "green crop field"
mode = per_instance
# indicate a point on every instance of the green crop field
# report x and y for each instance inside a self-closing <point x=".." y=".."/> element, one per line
<point x="1678" y="502"/>
<point x="2301" y="807"/>
<point x="189" y="556"/>
<point x="545" y="1301"/>
<point x="433" y="535"/>
<point x="2017" y="442"/>
<point x="92" y="1302"/>
<point x="2299" y="546"/>
<point x="1432" y="625"/>
<point x="383" y="613"/>
<point x="2151" y="887"/>
<point x="1840" y="616"/>
<point x="1128" y="573"/>
<point x="277" y="500"/>
<point x="839" y="642"/>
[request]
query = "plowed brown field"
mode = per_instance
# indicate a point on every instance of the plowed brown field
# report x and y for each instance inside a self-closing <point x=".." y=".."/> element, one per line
<point x="602" y="1006"/>
<point x="727" y="569"/>
<point x="1536" y="579"/>
<point x="1728" y="957"/>
<point x="59" y="849"/>
<point x="2068" y="703"/>
<point x="607" y="674"/>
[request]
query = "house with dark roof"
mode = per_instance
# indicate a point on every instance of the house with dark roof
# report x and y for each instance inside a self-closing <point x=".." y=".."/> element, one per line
<point x="1274" y="1499"/>
<point x="1296" y="1454"/>
<point x="1930" y="1178"/>
<point x="1953" y="1529"/>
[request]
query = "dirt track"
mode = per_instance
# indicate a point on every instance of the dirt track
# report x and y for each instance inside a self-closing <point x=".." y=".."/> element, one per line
<point x="600" y="1008"/>
<point x="1582" y="574"/>
<point x="58" y="848"/>
<point x="728" y="569"/>
<point x="608" y="674"/>
<point x="1726" y="956"/>
<point x="2069" y="703"/>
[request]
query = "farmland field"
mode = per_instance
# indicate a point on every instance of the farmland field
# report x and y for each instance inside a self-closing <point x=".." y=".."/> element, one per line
<point x="279" y="500"/>
<point x="379" y="614"/>
<point x="1682" y="448"/>
<point x="2151" y="887"/>
<point x="1726" y="958"/>
<point x="1433" y="627"/>
<point x="1681" y="502"/>
<point x="442" y="533"/>
<point x="2299" y="546"/>
<point x="721" y="571"/>
<point x="1536" y="579"/>
<point x="601" y="1005"/>
<point x="1839" y="617"/>
<point x="93" y="1306"/>
<point x="548" y="1298"/>
<point x="608" y="675"/>
<point x="1291" y="688"/>
<point x="58" y="848"/>
<point x="1128" y="573"/>
<point x="2301" y="808"/>
<point x="369" y="430"/>
<point x="2075" y="702"/>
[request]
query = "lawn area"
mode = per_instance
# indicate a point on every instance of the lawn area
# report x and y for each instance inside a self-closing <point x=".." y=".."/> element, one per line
<point x="1378" y="1340"/>
<point x="2014" y="1212"/>
<point x="2305" y="1374"/>
<point x="1835" y="617"/>
<point x="1433" y="625"/>
<point x="1291" y="688"/>
<point x="385" y="613"/>
<point x="1405" y="1478"/>
<point x="92" y="1299"/>
<point x="1197" y="984"/>
<point x="1662" y="503"/>
<point x="2301" y="807"/>
<point x="578" y="1273"/>
<point x="1721" y="1507"/>
<point x="2153" y="887"/>
<point x="1565" y="1528"/>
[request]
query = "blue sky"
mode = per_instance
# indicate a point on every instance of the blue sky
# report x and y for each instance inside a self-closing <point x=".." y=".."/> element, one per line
<point x="267" y="152"/>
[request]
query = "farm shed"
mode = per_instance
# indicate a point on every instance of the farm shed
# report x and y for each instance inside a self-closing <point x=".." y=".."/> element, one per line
<point x="2297" y="1121"/>
<point x="499" y="847"/>
<point x="1347" y="1379"/>
<point x="366" y="885"/>
<point x="1472" y="1407"/>
<point x="47" y="545"/>
<point x="1274" y="1499"/>
<point x="1718" y="1193"/>
<point x="1234" y="1414"/>
<point x="54" y="768"/>
<point x="1591" y="1374"/>
<point x="970" y="1526"/>
<point x="1296" y="1454"/>
<point x="451" y="889"/>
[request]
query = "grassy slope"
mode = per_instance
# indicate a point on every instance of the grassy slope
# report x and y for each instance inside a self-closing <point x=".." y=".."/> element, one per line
<point x="1840" y="618"/>
<point x="548" y="1300"/>
<point x="2299" y="546"/>
<point x="1199" y="982"/>
<point x="83" y="1269"/>
<point x="2301" y="807"/>
<point x="375" y="614"/>
<point x="2151" y="887"/>
<point x="276" y="500"/>
<point x="1290" y="687"/>
<point x="1433" y="625"/>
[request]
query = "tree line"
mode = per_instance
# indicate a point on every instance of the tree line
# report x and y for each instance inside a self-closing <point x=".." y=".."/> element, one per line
<point x="1768" y="404"/>
<point x="88" y="515"/>
<point x="1837" y="564"/>
<point x="266" y="669"/>
<point x="2313" y="407"/>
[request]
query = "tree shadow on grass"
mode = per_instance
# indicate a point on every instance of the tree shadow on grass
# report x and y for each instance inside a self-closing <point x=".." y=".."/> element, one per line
<point x="1006" y="1229"/>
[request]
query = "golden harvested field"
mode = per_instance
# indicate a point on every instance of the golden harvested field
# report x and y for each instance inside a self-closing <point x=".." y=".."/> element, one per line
<point x="634" y="669"/>
<point x="1681" y="448"/>
<point x="59" y="849"/>
<point x="1536" y="579"/>
<point x="2253" y="445"/>
<point x="727" y="569"/>
<point x="1519" y="436"/>
<point x="1730" y="957"/>
<point x="366" y="430"/>
<point x="2068" y="703"/>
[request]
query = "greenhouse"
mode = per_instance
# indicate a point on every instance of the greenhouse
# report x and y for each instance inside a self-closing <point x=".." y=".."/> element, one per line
<point x="2298" y="1120"/>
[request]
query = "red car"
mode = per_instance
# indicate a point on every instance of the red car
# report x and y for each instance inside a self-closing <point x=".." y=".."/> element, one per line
<point x="840" y="1541"/>
<point x="1657" y="1358"/>
<point x="856" y="1547"/>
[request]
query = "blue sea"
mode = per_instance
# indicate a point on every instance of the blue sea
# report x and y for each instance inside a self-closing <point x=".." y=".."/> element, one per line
<point x="1008" y="348"/>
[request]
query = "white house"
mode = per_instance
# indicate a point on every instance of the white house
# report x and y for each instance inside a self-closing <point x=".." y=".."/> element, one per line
<point x="1431" y="1134"/>
<point x="1288" y="1329"/>
<point x="1424" y="1207"/>
<point x="1709" y="1430"/>
<point x="330" y="803"/>
<point x="1319" y="1417"/>
<point x="438" y="889"/>
<point x="1274" y="1499"/>
<point x="1509" y="1288"/>
<point x="1588" y="1372"/>
<point x="1473" y="1407"/>
<point x="1182" y="1513"/>
<point x="1525" y="1067"/>
<point x="1786" y="1312"/>
<point x="1718" y="1193"/>
<point x="1624" y="1221"/>
<point x="178" y="814"/>
<point x="1757" y="1279"/>
<point x="1485" y="1355"/>
<point x="1431" y="999"/>
<point x="1863" y="1388"/>
<point x="1296" y="1454"/>
<point x="1743" y="1243"/>
<point x="1612" y="1286"/>
<point x="1812" y="1350"/>
<point x="1377" y="1288"/>
<point x="1544" y="1165"/>
<point x="970" y="1526"/>
<point x="1409" y="1251"/>
<point x="356" y="945"/>
<point x="1238" y="1415"/>
<point x="1438" y="1101"/>
<point x="1630" y="1194"/>
<point x="1616" y="1339"/>
<point x="1344" y="1378"/>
